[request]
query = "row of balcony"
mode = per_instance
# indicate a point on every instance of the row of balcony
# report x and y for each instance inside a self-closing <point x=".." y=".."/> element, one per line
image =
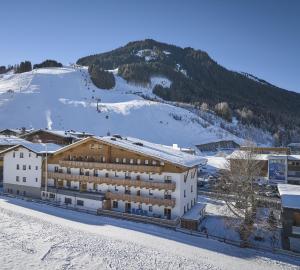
<point x="113" y="181"/>
<point x="111" y="166"/>
<point x="140" y="199"/>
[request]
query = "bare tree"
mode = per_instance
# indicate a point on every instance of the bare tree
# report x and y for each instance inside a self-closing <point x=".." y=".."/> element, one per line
<point x="238" y="189"/>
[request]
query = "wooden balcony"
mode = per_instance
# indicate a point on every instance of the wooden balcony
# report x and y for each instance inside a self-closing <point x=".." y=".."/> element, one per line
<point x="113" y="181"/>
<point x="140" y="199"/>
<point x="110" y="166"/>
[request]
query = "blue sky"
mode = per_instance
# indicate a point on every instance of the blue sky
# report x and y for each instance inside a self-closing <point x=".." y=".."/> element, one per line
<point x="261" y="37"/>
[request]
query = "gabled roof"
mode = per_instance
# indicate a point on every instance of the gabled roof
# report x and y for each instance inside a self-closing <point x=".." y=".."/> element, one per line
<point x="38" y="148"/>
<point x="158" y="151"/>
<point x="290" y="195"/>
<point x="60" y="133"/>
<point x="11" y="140"/>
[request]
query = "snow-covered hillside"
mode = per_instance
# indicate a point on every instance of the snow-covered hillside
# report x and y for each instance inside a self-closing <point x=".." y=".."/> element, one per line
<point x="65" y="98"/>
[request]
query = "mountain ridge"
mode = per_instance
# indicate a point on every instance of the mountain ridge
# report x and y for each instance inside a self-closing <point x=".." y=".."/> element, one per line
<point x="198" y="78"/>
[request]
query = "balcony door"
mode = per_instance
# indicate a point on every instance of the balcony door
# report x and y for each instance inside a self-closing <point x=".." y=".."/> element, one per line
<point x="167" y="213"/>
<point x="127" y="207"/>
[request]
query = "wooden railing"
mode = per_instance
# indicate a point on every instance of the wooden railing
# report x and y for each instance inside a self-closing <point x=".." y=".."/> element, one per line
<point x="110" y="166"/>
<point x="113" y="181"/>
<point x="140" y="199"/>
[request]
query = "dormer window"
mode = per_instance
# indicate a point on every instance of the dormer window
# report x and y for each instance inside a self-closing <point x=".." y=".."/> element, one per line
<point x="146" y="162"/>
<point x="124" y="160"/>
<point x="154" y="162"/>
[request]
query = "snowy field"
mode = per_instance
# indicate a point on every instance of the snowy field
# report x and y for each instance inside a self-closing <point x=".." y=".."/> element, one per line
<point x="54" y="97"/>
<point x="36" y="236"/>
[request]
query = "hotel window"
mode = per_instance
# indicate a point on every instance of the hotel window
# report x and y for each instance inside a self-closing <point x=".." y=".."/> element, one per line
<point x="124" y="160"/>
<point x="150" y="177"/>
<point x="17" y="178"/>
<point x="24" y="167"/>
<point x="21" y="155"/>
<point x="115" y="204"/>
<point x="191" y="188"/>
<point x="36" y="179"/>
<point x="117" y="160"/>
<point x="191" y="203"/>
<point x="18" y="166"/>
<point x="29" y="167"/>
<point x="184" y="194"/>
<point x="116" y="174"/>
<point x="131" y="161"/>
<point x="36" y="168"/>
<point x="14" y="154"/>
<point x="29" y="154"/>
<point x="138" y="161"/>
<point x="146" y="162"/>
<point x="140" y="206"/>
<point x="68" y="200"/>
<point x="188" y="206"/>
<point x="24" y="179"/>
<point x="80" y="202"/>
<point x="56" y="169"/>
<point x="68" y="170"/>
<point x="184" y="209"/>
<point x="168" y="178"/>
<point x="150" y="192"/>
<point x="103" y="159"/>
<point x="150" y="208"/>
<point x="116" y="189"/>
<point x="127" y="190"/>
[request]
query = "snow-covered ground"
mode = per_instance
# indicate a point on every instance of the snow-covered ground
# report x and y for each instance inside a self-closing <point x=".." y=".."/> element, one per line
<point x="36" y="236"/>
<point x="65" y="99"/>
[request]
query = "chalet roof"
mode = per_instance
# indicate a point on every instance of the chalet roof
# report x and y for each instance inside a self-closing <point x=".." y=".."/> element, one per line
<point x="159" y="151"/>
<point x="38" y="148"/>
<point x="60" y="133"/>
<point x="241" y="154"/>
<point x="290" y="195"/>
<point x="11" y="140"/>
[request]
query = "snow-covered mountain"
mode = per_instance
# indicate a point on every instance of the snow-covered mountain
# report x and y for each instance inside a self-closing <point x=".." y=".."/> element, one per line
<point x="64" y="98"/>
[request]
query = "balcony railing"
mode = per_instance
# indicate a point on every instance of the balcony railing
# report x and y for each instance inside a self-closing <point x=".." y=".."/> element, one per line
<point x="140" y="199"/>
<point x="110" y="166"/>
<point x="113" y="181"/>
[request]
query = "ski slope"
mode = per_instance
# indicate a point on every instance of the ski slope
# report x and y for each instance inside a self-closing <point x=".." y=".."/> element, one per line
<point x="35" y="236"/>
<point x="64" y="99"/>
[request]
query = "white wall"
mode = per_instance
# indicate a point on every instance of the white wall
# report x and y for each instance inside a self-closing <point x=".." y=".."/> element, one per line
<point x="178" y="194"/>
<point x="33" y="175"/>
<point x="88" y="203"/>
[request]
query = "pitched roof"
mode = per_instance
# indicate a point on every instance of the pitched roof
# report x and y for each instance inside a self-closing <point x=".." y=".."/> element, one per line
<point x="290" y="195"/>
<point x="38" y="148"/>
<point x="60" y="133"/>
<point x="11" y="140"/>
<point x="158" y="151"/>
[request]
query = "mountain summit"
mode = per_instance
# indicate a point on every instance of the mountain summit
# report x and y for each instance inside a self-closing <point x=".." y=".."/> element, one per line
<point x="196" y="78"/>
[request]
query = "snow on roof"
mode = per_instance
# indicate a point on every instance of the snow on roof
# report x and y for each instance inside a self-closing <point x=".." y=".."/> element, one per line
<point x="239" y="154"/>
<point x="290" y="195"/>
<point x="294" y="145"/>
<point x="60" y="133"/>
<point x="195" y="213"/>
<point x="39" y="148"/>
<point x="166" y="153"/>
<point x="11" y="140"/>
